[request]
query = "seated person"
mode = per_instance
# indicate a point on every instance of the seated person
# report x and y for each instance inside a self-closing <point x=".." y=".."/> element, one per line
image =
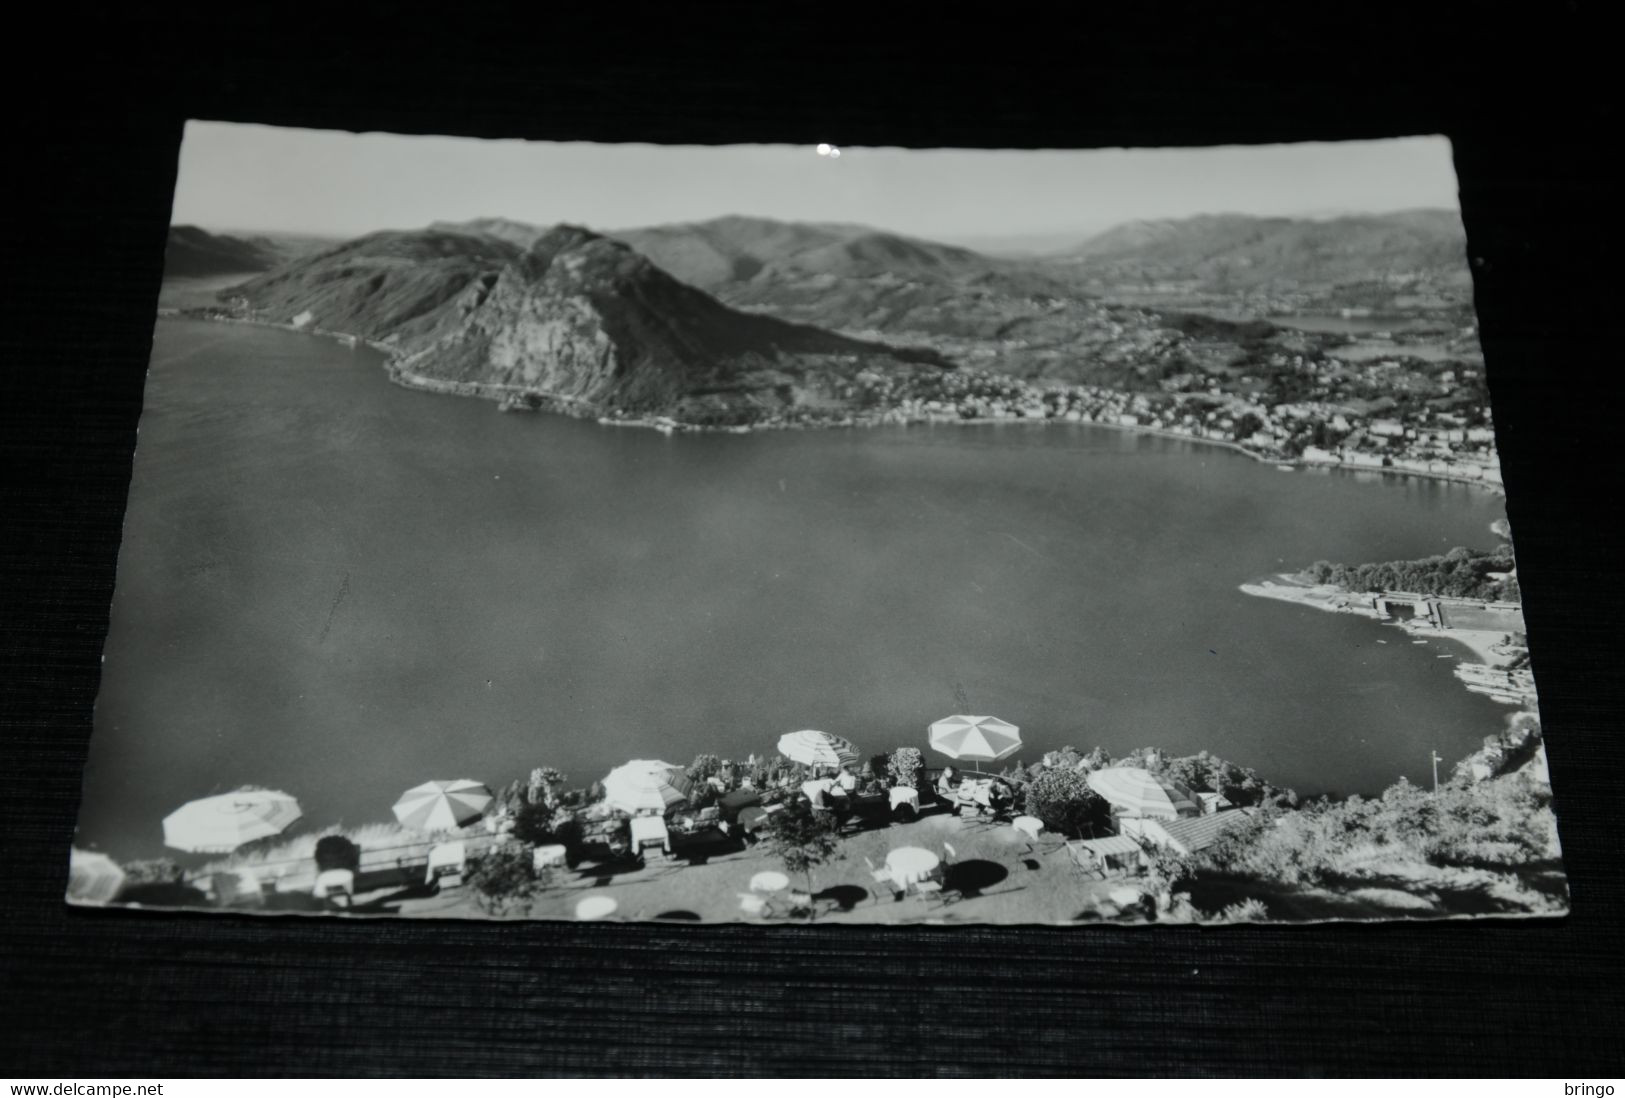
<point x="947" y="784"/>
<point x="846" y="781"/>
<point x="1000" y="798"/>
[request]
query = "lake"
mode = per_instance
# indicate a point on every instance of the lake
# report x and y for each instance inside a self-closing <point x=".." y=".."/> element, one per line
<point x="1356" y="325"/>
<point x="341" y="588"/>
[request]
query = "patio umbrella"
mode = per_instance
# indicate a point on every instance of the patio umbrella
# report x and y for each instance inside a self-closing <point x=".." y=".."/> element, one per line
<point x="975" y="739"/>
<point x="646" y="784"/>
<point x="442" y="806"/>
<point x="1138" y="792"/>
<point x="220" y="824"/>
<point x="93" y="878"/>
<point x="817" y="748"/>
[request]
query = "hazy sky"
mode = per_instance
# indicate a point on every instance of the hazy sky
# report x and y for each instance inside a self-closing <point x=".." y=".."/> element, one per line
<point x="331" y="182"/>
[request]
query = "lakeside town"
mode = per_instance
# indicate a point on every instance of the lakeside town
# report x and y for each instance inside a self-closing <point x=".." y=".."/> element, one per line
<point x="1402" y="413"/>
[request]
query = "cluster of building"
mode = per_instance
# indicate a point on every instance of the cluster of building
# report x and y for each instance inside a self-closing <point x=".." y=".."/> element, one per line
<point x="1329" y="427"/>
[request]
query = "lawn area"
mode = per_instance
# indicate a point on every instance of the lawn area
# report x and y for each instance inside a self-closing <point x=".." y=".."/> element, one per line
<point x="998" y="875"/>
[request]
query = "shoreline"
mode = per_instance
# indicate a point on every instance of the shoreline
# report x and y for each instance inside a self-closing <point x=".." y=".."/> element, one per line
<point x="1488" y="647"/>
<point x="580" y="408"/>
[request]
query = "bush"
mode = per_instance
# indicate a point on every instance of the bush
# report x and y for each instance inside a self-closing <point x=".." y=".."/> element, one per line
<point x="152" y="871"/>
<point x="906" y="767"/>
<point x="1245" y="911"/>
<point x="541" y="825"/>
<point x="337" y="852"/>
<point x="1066" y="804"/>
<point x="506" y="880"/>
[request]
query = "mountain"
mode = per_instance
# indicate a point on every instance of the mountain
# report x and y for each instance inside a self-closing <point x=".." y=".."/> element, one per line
<point x="519" y="233"/>
<point x="190" y="252"/>
<point x="575" y="320"/>
<point x="1016" y="316"/>
<point x="403" y="286"/>
<point x="1237" y="251"/>
<point x="730" y="250"/>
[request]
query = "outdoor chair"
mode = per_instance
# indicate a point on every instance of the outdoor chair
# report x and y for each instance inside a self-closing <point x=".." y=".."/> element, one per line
<point x="337" y="886"/>
<point x="883" y="875"/>
<point x="1084" y="860"/>
<point x="929" y="889"/>
<point x="447" y="863"/>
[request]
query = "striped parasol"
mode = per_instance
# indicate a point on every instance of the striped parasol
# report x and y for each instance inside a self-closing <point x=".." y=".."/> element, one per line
<point x="92" y="878"/>
<point x="645" y="784"/>
<point x="442" y="806"/>
<point x="220" y="824"/>
<point x="817" y="748"/>
<point x="1137" y="792"/>
<point x="975" y="739"/>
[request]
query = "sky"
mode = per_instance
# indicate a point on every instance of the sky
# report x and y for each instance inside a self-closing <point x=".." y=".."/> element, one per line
<point x="270" y="179"/>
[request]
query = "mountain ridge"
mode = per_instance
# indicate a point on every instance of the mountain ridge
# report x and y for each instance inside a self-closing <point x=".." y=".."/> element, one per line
<point x="574" y="317"/>
<point x="192" y="252"/>
<point x="1242" y="249"/>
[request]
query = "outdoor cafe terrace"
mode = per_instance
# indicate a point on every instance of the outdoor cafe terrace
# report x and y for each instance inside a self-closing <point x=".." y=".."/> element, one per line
<point x="664" y="844"/>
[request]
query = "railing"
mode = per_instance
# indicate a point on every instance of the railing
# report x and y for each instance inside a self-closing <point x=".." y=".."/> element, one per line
<point x="400" y="856"/>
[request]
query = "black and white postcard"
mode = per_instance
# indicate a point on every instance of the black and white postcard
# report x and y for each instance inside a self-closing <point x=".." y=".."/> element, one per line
<point x="790" y="534"/>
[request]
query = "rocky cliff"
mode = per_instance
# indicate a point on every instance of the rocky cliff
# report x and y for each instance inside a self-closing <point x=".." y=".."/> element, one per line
<point x="574" y="318"/>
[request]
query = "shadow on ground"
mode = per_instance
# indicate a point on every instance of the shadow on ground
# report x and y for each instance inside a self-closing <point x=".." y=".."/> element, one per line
<point x="972" y="877"/>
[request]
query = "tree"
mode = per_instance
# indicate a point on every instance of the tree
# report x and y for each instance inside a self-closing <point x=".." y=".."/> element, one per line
<point x="1247" y="426"/>
<point x="906" y="767"/>
<point x="537" y="824"/>
<point x="337" y="852"/>
<point x="1066" y="804"/>
<point x="802" y="840"/>
<point x="541" y="788"/>
<point x="507" y="880"/>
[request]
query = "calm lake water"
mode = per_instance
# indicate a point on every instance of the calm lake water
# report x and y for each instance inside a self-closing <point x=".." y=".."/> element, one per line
<point x="1352" y="325"/>
<point x="340" y="588"/>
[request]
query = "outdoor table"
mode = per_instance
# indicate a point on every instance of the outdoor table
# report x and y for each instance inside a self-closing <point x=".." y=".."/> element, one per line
<point x="976" y="791"/>
<point x="911" y="864"/>
<point x="817" y="791"/>
<point x="905" y="794"/>
<point x="769" y="881"/>
<point x="595" y="907"/>
<point x="752" y="820"/>
<point x="649" y="829"/>
<point x="1029" y="826"/>
<point x="551" y="854"/>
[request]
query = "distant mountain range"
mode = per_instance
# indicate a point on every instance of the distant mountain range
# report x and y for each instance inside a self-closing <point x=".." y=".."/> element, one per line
<point x="880" y="287"/>
<point x="1232" y="250"/>
<point x="191" y="252"/>
<point x="571" y="316"/>
<point x="731" y="319"/>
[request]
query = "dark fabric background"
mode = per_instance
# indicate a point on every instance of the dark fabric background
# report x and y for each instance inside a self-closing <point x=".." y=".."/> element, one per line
<point x="97" y="100"/>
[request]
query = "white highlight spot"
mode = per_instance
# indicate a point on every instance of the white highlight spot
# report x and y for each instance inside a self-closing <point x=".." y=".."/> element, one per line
<point x="823" y="150"/>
